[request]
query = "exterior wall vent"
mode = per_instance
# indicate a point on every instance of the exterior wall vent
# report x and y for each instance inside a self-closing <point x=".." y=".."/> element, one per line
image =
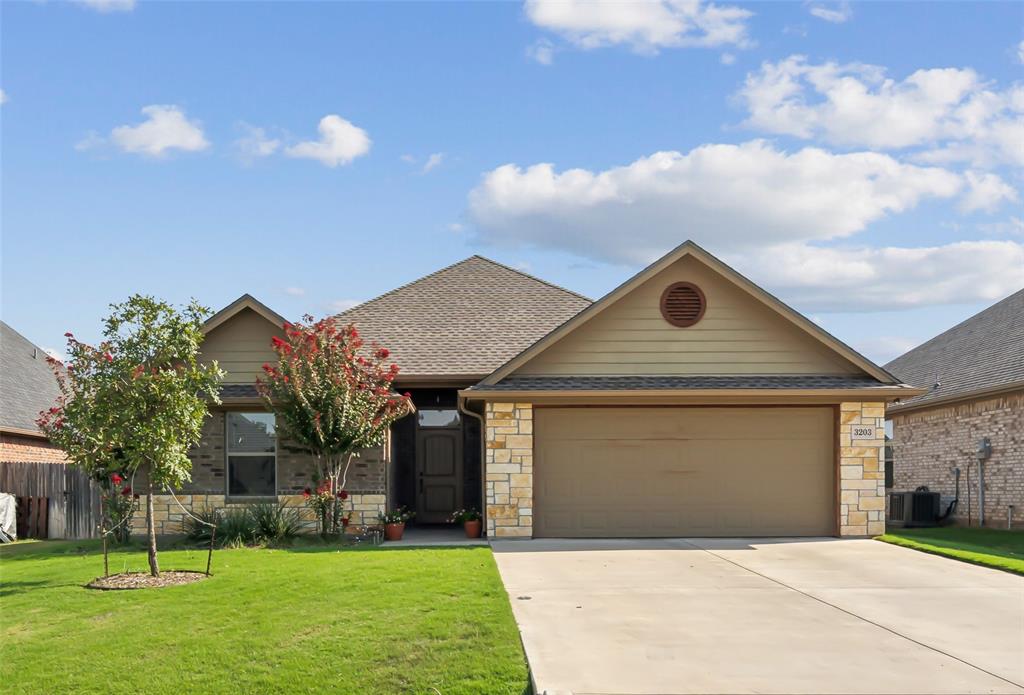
<point x="682" y="304"/>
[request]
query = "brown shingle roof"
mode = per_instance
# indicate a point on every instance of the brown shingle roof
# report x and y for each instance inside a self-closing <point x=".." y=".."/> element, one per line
<point x="984" y="352"/>
<point x="27" y="384"/>
<point x="463" y="320"/>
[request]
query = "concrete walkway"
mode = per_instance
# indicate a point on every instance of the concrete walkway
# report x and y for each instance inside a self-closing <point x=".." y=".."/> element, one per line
<point x="764" y="616"/>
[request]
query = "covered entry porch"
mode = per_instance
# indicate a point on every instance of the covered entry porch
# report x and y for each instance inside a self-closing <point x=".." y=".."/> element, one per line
<point x="435" y="462"/>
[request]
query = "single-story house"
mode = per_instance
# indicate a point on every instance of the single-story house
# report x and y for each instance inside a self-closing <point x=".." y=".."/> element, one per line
<point x="973" y="381"/>
<point x="686" y="402"/>
<point x="27" y="385"/>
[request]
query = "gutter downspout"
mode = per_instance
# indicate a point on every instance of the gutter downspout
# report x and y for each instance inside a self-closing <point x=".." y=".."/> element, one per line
<point x="461" y="403"/>
<point x="981" y="494"/>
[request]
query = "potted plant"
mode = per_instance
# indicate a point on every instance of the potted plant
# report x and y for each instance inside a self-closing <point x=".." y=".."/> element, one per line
<point x="394" y="522"/>
<point x="471" y="520"/>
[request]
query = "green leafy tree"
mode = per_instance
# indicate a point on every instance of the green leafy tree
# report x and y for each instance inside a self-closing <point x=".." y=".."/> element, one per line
<point x="332" y="397"/>
<point x="136" y="401"/>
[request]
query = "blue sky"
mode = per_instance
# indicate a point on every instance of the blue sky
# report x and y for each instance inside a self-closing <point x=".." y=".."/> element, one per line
<point x="863" y="161"/>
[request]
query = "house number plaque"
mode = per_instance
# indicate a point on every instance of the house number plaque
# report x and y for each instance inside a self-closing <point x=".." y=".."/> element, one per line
<point x="863" y="432"/>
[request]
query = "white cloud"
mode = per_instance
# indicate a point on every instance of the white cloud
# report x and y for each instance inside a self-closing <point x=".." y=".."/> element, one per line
<point x="646" y="27"/>
<point x="339" y="305"/>
<point x="985" y="192"/>
<point x="776" y="216"/>
<point x="730" y="195"/>
<point x="106" y="6"/>
<point x="408" y="159"/>
<point x="541" y="50"/>
<point x="1020" y="52"/>
<point x="949" y="111"/>
<point x="340" y="142"/>
<point x="837" y="12"/>
<point x="433" y="161"/>
<point x="885" y="348"/>
<point x="871" y="279"/>
<point x="1014" y="226"/>
<point x="255" y="143"/>
<point x="165" y="128"/>
<point x="3" y="97"/>
<point x="91" y="141"/>
<point x="727" y="58"/>
<point x="294" y="291"/>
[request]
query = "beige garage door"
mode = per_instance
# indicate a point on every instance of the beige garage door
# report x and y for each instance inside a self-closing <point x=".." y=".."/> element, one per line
<point x="663" y="472"/>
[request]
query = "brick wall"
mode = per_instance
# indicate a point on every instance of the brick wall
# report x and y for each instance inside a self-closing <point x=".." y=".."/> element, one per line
<point x="928" y="444"/>
<point x="861" y="471"/>
<point x="509" y="470"/>
<point x="19" y="448"/>
<point x="366" y="483"/>
<point x="295" y="467"/>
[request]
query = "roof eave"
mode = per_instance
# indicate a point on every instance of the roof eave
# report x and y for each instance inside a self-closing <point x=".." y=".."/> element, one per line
<point x="22" y="432"/>
<point x="972" y="395"/>
<point x="881" y="393"/>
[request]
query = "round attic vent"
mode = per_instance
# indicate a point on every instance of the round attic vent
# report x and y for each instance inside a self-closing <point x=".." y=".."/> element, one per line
<point x="682" y="304"/>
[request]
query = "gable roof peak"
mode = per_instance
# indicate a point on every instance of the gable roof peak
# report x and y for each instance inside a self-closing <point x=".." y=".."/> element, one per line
<point x="246" y="301"/>
<point x="691" y="248"/>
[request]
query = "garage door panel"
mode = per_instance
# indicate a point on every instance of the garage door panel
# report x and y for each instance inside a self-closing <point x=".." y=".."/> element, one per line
<point x="683" y="472"/>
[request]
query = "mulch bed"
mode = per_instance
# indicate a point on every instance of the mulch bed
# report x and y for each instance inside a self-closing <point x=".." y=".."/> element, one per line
<point x="144" y="580"/>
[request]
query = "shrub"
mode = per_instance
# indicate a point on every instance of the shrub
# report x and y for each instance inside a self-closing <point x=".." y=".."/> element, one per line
<point x="275" y="522"/>
<point x="236" y="527"/>
<point x="198" y="532"/>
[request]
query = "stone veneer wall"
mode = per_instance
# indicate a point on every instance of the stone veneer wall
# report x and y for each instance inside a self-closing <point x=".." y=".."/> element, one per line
<point x="861" y="471"/>
<point x="928" y="444"/>
<point x="169" y="517"/>
<point x="509" y="470"/>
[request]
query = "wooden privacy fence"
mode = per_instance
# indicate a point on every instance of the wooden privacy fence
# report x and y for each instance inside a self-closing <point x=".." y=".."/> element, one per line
<point x="72" y="509"/>
<point x="32" y="517"/>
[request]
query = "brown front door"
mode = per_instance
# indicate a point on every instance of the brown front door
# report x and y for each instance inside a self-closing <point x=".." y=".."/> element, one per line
<point x="438" y="474"/>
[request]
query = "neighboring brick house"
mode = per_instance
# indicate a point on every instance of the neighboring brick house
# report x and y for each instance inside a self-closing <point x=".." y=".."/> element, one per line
<point x="686" y="402"/>
<point x="974" y="380"/>
<point x="27" y="386"/>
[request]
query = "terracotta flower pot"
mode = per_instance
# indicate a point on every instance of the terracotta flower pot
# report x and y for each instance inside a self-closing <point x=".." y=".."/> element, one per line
<point x="473" y="528"/>
<point x="393" y="532"/>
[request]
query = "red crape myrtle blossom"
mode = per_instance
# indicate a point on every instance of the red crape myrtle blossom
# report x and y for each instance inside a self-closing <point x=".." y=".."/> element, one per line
<point x="332" y="395"/>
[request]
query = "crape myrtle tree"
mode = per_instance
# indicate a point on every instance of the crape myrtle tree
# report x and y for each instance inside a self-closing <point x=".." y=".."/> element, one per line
<point x="137" y="400"/>
<point x="332" y="397"/>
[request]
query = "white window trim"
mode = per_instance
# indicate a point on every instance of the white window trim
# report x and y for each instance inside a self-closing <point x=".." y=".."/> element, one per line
<point x="252" y="454"/>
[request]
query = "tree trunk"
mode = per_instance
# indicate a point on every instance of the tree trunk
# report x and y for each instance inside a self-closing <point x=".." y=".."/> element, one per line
<point x="154" y="567"/>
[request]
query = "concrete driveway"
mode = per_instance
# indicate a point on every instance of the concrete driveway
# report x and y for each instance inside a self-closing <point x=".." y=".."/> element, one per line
<point x="764" y="616"/>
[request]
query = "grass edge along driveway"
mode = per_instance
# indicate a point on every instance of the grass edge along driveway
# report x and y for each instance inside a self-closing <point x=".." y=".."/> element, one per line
<point x="307" y="619"/>
<point x="996" y="548"/>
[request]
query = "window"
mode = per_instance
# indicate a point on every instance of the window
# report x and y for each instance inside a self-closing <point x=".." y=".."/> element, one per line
<point x="446" y="417"/>
<point x="251" y="454"/>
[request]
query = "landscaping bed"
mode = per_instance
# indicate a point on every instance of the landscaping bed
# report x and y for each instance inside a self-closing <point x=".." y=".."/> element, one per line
<point x="996" y="548"/>
<point x="309" y="618"/>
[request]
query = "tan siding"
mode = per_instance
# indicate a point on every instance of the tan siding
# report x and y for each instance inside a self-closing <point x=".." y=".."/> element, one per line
<point x="738" y="335"/>
<point x="241" y="345"/>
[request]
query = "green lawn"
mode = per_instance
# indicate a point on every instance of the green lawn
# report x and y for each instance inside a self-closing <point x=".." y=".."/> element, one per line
<point x="990" y="547"/>
<point x="308" y="619"/>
